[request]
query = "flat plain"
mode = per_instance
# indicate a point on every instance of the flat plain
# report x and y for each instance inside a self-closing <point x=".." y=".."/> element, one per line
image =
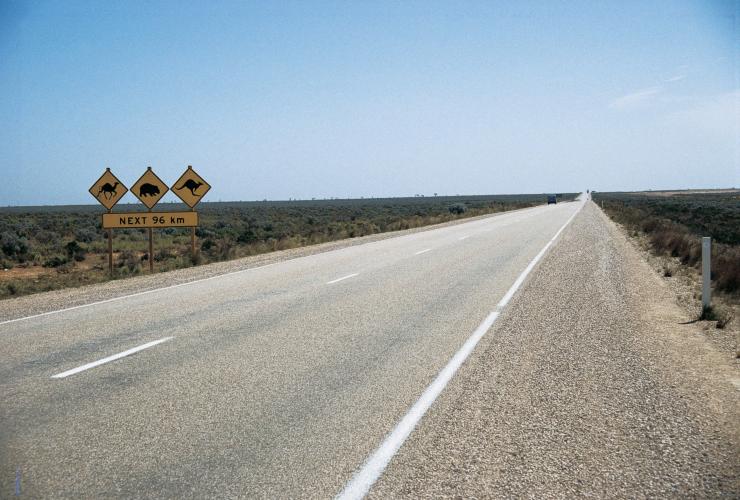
<point x="51" y="247"/>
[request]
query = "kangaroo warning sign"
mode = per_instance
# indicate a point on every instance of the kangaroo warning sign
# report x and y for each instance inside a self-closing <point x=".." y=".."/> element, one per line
<point x="150" y="220"/>
<point x="149" y="189"/>
<point x="108" y="189"/>
<point x="190" y="187"/>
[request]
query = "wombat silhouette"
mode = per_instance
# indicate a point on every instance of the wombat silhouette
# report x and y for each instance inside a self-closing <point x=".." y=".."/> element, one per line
<point x="147" y="189"/>
<point x="108" y="191"/>
<point x="191" y="185"/>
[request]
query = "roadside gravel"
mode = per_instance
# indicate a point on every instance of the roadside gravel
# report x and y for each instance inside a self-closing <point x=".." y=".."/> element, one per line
<point x="587" y="386"/>
<point x="685" y="283"/>
<point x="59" y="299"/>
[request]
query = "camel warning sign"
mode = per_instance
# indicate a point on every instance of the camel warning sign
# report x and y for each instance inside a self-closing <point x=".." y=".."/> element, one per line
<point x="108" y="189"/>
<point x="190" y="187"/>
<point x="149" y="189"/>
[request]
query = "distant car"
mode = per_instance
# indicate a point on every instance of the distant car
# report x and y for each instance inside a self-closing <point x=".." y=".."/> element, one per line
<point x="551" y="199"/>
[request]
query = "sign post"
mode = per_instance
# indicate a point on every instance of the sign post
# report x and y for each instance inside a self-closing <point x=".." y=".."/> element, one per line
<point x="151" y="250"/>
<point x="110" y="252"/>
<point x="149" y="189"/>
<point x="108" y="190"/>
<point x="191" y="188"/>
<point x="192" y="243"/>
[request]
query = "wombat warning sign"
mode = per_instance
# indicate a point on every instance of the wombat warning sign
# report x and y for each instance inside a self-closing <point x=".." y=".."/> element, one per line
<point x="149" y="189"/>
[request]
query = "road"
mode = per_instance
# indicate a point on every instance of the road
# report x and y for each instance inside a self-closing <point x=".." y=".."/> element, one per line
<point x="279" y="381"/>
<point x="594" y="383"/>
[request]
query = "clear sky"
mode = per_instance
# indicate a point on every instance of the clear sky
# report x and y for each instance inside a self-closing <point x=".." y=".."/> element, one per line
<point x="317" y="99"/>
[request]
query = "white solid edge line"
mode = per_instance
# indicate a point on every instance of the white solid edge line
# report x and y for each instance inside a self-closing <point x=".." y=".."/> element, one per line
<point x="422" y="251"/>
<point x="376" y="463"/>
<point x="110" y="358"/>
<point x="135" y="294"/>
<point x="505" y="300"/>
<point x="342" y="278"/>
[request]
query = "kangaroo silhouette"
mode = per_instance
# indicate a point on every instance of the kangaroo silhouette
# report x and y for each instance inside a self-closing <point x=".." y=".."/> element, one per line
<point x="108" y="191"/>
<point x="147" y="189"/>
<point x="191" y="185"/>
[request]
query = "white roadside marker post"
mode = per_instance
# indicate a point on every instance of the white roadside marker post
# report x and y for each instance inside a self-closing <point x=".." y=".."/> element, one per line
<point x="706" y="272"/>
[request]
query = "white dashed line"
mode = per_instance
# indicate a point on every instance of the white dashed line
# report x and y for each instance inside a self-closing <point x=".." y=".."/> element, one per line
<point x="422" y="251"/>
<point x="137" y="294"/>
<point x="463" y="237"/>
<point x="110" y="358"/>
<point x="342" y="278"/>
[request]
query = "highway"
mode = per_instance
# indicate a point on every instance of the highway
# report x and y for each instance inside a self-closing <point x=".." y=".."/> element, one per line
<point x="279" y="381"/>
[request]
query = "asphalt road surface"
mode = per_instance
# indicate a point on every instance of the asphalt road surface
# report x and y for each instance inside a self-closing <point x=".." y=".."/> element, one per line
<point x="279" y="381"/>
<point x="594" y="383"/>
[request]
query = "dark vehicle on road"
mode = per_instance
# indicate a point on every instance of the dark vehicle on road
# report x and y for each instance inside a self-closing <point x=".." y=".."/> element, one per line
<point x="551" y="199"/>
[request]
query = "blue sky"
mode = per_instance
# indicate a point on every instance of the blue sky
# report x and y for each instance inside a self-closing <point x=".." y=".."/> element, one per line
<point x="310" y="99"/>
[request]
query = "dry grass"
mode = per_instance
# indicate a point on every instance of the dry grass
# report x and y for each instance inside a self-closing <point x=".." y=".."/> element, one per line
<point x="672" y="231"/>
<point x="46" y="248"/>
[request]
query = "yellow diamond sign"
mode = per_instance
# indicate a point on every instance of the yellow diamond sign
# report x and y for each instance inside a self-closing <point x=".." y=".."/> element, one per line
<point x="190" y="187"/>
<point x="149" y="189"/>
<point x="108" y="189"/>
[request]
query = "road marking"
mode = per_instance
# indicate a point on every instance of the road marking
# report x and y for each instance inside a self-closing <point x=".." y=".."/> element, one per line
<point x="463" y="237"/>
<point x="134" y="294"/>
<point x="342" y="278"/>
<point x="534" y="262"/>
<point x="376" y="463"/>
<point x="422" y="251"/>
<point x="110" y="358"/>
<point x="484" y="219"/>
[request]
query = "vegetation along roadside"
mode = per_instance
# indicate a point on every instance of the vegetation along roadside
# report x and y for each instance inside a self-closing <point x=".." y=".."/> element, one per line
<point x="673" y="222"/>
<point x="47" y="248"/>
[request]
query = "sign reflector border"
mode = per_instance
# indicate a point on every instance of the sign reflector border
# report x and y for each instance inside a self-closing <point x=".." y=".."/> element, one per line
<point x="120" y="185"/>
<point x="190" y="176"/>
<point x="151" y="198"/>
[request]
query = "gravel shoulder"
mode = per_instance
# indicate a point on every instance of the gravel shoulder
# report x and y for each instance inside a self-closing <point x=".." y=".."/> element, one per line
<point x="686" y="285"/>
<point x="590" y="384"/>
<point x="70" y="297"/>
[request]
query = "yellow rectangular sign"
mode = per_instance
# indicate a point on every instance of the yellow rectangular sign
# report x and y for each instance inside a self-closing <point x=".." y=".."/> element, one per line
<point x="150" y="219"/>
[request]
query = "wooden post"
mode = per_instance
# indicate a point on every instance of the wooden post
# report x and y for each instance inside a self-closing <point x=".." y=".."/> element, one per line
<point x="151" y="247"/>
<point x="151" y="250"/>
<point x="110" y="249"/>
<point x="110" y="252"/>
<point x="192" y="242"/>
<point x="192" y="238"/>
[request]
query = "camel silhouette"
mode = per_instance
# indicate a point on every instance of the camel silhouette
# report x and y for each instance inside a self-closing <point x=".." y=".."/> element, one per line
<point x="191" y="185"/>
<point x="108" y="191"/>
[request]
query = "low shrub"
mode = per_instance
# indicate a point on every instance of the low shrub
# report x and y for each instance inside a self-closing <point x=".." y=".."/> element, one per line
<point x="719" y="314"/>
<point x="56" y="261"/>
<point x="458" y="208"/>
<point x="129" y="261"/>
<point x="75" y="251"/>
<point x="672" y="237"/>
<point x="726" y="270"/>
